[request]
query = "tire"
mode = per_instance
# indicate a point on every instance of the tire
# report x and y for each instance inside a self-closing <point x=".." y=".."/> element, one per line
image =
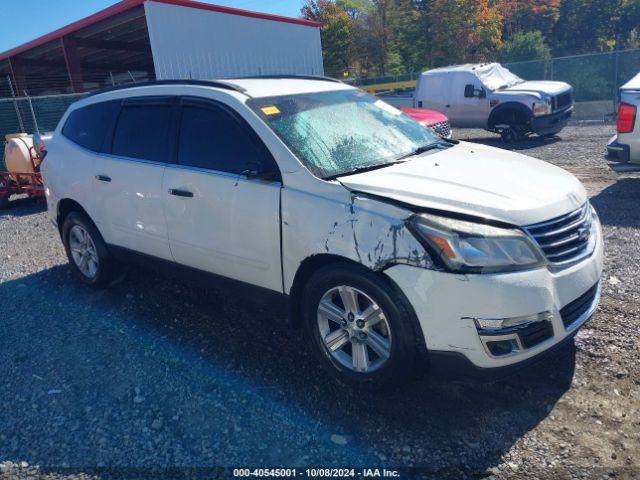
<point x="549" y="135"/>
<point x="98" y="263"/>
<point x="4" y="203"/>
<point x="513" y="134"/>
<point x="394" y="359"/>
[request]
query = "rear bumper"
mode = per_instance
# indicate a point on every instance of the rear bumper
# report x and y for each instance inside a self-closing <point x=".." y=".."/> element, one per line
<point x="549" y="124"/>
<point x="619" y="151"/>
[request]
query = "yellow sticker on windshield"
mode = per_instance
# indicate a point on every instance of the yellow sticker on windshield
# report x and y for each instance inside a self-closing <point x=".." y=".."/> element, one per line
<point x="270" y="110"/>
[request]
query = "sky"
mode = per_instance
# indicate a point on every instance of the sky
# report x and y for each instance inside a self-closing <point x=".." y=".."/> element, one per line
<point x="24" y="20"/>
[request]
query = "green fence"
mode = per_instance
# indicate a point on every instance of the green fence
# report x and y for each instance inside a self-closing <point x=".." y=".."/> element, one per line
<point x="28" y="115"/>
<point x="594" y="77"/>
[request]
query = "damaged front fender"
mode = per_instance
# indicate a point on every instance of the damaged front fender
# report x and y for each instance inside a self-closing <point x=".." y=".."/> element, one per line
<point x="351" y="225"/>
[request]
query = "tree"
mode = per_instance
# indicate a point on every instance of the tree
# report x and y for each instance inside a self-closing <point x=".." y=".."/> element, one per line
<point x="628" y="24"/>
<point x="585" y="26"/>
<point x="525" y="46"/>
<point x="408" y="25"/>
<point x="464" y="30"/>
<point x="336" y="33"/>
<point x="522" y="16"/>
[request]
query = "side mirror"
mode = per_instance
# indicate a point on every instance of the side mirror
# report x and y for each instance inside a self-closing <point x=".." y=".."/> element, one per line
<point x="469" y="91"/>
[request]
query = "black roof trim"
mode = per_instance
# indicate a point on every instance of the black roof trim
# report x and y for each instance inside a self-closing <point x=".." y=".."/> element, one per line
<point x="203" y="83"/>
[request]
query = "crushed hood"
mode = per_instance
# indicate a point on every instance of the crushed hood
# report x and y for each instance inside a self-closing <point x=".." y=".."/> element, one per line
<point x="477" y="180"/>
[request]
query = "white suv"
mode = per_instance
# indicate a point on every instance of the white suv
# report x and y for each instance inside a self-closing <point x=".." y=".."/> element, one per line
<point x="393" y="247"/>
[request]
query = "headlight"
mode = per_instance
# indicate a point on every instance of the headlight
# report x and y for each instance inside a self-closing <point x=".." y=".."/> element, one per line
<point x="468" y="247"/>
<point x="542" y="108"/>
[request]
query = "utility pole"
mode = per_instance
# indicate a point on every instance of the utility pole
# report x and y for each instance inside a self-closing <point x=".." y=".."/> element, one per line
<point x="15" y="104"/>
<point x="33" y="113"/>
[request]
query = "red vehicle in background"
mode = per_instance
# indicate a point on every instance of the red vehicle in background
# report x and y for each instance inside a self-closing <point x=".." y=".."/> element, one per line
<point x="438" y="122"/>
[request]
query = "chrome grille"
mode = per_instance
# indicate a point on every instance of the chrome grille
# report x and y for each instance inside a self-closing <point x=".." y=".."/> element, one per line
<point x="564" y="239"/>
<point x="563" y="100"/>
<point x="443" y="129"/>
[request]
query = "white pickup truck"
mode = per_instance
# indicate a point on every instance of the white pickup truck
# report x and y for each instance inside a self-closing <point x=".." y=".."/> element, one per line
<point x="625" y="145"/>
<point x="491" y="97"/>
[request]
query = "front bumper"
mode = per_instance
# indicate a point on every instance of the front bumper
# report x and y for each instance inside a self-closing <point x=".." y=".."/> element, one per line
<point x="553" y="123"/>
<point x="446" y="305"/>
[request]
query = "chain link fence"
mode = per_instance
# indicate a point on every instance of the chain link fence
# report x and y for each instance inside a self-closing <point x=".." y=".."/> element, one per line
<point x="41" y="113"/>
<point x="596" y="78"/>
<point x="31" y="114"/>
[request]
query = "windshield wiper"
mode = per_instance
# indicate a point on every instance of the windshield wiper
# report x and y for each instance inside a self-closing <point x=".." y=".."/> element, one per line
<point x="401" y="159"/>
<point x="422" y="149"/>
<point x="366" y="168"/>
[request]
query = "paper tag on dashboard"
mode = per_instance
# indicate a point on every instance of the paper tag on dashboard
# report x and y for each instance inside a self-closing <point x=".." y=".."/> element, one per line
<point x="270" y="110"/>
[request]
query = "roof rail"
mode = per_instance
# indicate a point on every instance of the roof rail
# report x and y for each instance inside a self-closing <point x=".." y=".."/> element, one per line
<point x="299" y="77"/>
<point x="203" y="83"/>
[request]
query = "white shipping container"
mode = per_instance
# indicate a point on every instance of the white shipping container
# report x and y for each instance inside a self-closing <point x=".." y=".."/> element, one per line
<point x="201" y="44"/>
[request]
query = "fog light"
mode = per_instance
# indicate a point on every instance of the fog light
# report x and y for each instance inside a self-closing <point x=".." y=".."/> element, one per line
<point x="502" y="347"/>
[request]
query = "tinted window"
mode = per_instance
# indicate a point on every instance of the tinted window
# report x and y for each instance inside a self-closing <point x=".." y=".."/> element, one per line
<point x="89" y="125"/>
<point x="141" y="132"/>
<point x="212" y="138"/>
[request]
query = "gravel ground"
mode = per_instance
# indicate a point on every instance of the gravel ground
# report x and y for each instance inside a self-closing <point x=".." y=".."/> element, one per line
<point x="155" y="372"/>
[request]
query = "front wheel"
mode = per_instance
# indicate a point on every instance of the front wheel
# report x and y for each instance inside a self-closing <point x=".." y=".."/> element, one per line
<point x="86" y="250"/>
<point x="363" y="329"/>
<point x="549" y="135"/>
<point x="513" y="134"/>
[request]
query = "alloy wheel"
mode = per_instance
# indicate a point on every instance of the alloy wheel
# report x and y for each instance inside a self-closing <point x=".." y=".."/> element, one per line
<point x="83" y="251"/>
<point x="354" y="329"/>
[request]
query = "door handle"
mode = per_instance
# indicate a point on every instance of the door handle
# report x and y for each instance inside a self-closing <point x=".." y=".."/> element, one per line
<point x="103" y="178"/>
<point x="180" y="193"/>
<point x="447" y="106"/>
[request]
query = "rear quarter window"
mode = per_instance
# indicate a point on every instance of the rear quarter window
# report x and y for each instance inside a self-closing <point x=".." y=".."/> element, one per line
<point x="88" y="126"/>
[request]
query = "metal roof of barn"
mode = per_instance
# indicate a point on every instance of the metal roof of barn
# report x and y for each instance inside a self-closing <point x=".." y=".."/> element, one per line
<point x="126" y="5"/>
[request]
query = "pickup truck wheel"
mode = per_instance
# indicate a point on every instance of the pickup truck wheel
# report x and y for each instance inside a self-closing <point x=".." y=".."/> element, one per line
<point x="4" y="203"/>
<point x="362" y="328"/>
<point x="513" y="134"/>
<point x="86" y="250"/>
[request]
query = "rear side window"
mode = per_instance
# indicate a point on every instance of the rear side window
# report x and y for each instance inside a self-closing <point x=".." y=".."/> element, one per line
<point x="141" y="132"/>
<point x="88" y="126"/>
<point x="210" y="137"/>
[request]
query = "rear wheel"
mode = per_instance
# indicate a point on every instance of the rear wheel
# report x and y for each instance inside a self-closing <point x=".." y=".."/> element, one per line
<point x="86" y="250"/>
<point x="362" y="328"/>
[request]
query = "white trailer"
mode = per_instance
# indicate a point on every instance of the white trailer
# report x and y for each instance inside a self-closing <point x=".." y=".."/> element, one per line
<point x="163" y="39"/>
<point x="198" y="43"/>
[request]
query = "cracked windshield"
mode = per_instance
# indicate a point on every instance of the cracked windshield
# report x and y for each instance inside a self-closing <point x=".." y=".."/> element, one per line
<point x="341" y="132"/>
